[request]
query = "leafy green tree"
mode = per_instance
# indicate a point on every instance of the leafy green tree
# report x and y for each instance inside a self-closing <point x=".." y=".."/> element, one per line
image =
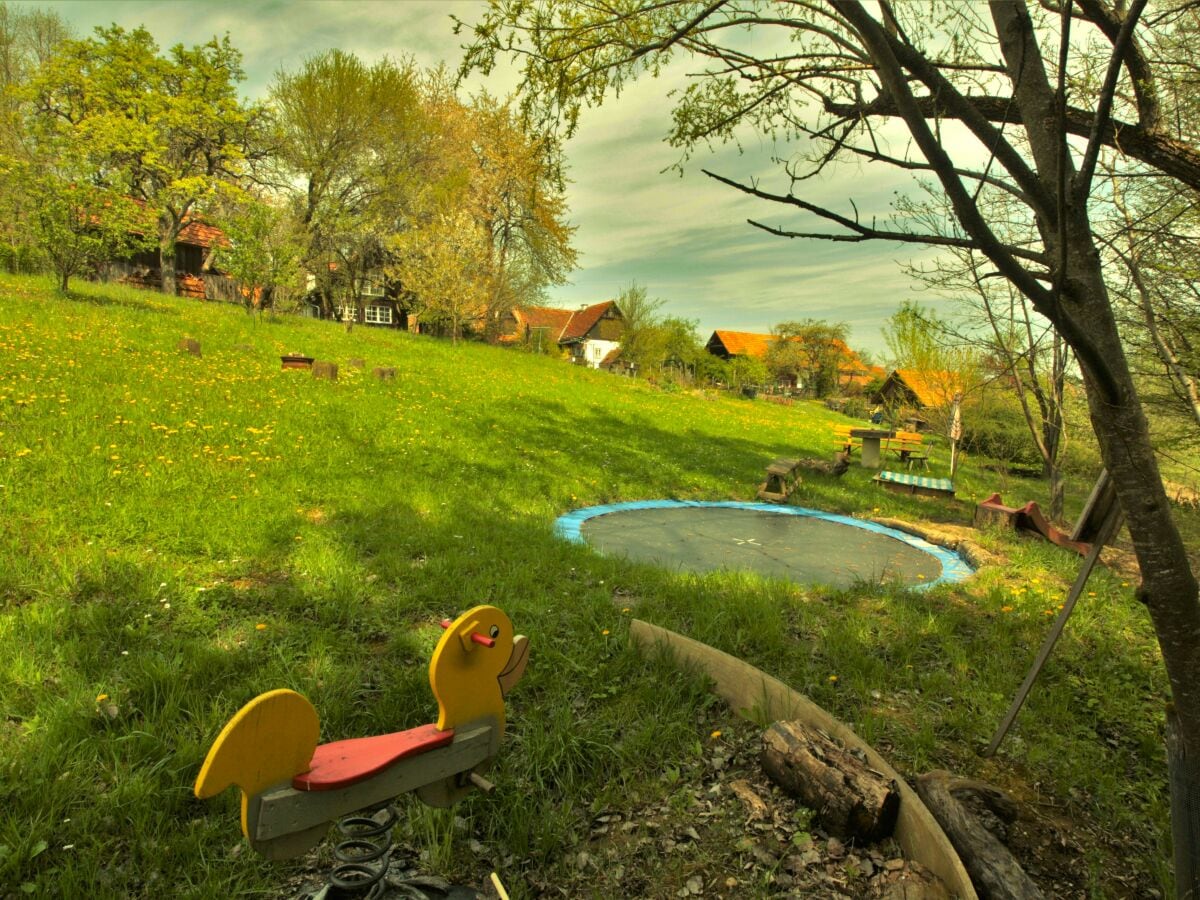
<point x="748" y="371"/>
<point x="28" y="38"/>
<point x="440" y="262"/>
<point x="77" y="226"/>
<point x="711" y="369"/>
<point x="641" y="343"/>
<point x="352" y="138"/>
<point x="517" y="195"/>
<point x="168" y="129"/>
<point x="809" y="352"/>
<point x="264" y="252"/>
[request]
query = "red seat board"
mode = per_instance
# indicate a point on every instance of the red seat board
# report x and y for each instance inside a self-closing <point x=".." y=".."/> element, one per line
<point x="344" y="763"/>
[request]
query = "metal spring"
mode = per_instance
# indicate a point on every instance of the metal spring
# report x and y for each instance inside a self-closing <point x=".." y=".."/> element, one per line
<point x="362" y="859"/>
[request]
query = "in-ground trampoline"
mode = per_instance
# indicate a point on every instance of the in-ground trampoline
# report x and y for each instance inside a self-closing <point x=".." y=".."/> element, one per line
<point x="790" y="542"/>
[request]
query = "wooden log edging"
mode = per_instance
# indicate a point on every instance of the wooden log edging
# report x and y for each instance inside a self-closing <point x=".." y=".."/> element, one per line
<point x="755" y="695"/>
<point x="967" y="549"/>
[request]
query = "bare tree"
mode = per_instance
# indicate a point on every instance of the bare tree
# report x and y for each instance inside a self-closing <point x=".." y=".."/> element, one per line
<point x="995" y="78"/>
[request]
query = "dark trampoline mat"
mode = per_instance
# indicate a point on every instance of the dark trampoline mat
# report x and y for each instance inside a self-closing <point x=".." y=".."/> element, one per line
<point x="806" y="549"/>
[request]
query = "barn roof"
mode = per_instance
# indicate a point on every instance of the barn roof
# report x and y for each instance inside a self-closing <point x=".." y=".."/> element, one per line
<point x="930" y="388"/>
<point x="743" y="343"/>
<point x="200" y="234"/>
<point x="567" y="325"/>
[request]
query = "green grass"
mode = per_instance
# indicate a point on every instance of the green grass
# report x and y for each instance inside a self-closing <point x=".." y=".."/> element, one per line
<point x="181" y="534"/>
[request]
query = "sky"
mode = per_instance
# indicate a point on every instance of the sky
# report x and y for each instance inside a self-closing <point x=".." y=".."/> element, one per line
<point x="684" y="238"/>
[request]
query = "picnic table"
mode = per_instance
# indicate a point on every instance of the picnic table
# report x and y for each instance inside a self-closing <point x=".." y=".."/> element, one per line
<point x="870" y="438"/>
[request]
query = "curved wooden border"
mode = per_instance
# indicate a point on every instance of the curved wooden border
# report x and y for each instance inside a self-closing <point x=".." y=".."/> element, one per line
<point x="746" y="688"/>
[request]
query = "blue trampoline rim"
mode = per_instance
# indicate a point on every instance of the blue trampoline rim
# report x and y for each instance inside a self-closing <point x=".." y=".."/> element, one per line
<point x="954" y="568"/>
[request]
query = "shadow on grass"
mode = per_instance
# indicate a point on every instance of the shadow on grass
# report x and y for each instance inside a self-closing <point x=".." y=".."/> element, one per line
<point x="83" y="292"/>
<point x="349" y="615"/>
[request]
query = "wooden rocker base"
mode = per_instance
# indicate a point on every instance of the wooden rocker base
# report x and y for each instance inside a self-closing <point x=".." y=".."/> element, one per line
<point x="920" y="485"/>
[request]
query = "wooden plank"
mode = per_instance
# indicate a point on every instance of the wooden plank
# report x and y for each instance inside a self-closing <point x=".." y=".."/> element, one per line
<point x="758" y="696"/>
<point x="284" y="811"/>
<point x="342" y="763"/>
<point x="1096" y="510"/>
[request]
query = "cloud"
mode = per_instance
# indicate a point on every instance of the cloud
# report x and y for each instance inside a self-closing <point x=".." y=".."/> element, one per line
<point x="685" y="238"/>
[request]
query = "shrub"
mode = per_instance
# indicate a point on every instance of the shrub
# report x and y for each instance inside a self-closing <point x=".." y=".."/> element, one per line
<point x="855" y="407"/>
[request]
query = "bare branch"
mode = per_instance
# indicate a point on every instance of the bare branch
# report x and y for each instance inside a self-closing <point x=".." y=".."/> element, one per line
<point x="860" y="232"/>
<point x="1083" y="179"/>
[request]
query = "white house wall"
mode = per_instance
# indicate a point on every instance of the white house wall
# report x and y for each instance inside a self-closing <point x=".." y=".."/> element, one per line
<point x="594" y="351"/>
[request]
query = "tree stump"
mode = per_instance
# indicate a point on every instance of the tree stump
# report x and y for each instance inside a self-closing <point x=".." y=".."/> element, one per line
<point x="190" y="345"/>
<point x="326" y="370"/>
<point x="357" y="363"/>
<point x="965" y="809"/>
<point x="850" y="799"/>
<point x="384" y="373"/>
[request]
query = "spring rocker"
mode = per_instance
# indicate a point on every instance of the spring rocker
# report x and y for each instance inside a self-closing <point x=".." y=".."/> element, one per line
<point x="292" y="789"/>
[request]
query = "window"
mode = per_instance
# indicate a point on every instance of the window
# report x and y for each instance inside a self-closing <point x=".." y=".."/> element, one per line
<point x="372" y="285"/>
<point x="378" y="315"/>
<point x="347" y="313"/>
<point x="597" y="352"/>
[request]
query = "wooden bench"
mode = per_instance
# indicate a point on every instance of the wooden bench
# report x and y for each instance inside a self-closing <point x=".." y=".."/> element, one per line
<point x="782" y="478"/>
<point x="844" y="441"/>
<point x="909" y="446"/>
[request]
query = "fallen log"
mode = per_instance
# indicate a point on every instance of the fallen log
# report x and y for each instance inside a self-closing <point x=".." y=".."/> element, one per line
<point x="991" y="865"/>
<point x="850" y="799"/>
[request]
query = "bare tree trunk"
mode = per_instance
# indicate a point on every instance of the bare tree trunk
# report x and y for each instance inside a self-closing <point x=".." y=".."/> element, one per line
<point x="168" y="231"/>
<point x="1169" y="588"/>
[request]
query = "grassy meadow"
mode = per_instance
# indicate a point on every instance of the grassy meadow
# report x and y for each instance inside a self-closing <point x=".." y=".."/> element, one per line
<point x="180" y="534"/>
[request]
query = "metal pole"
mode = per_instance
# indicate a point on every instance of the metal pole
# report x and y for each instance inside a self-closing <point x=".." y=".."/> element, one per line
<point x="1052" y="638"/>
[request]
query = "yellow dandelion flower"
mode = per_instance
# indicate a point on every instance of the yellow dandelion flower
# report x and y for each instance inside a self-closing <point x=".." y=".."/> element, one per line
<point x="605" y="632"/>
<point x="716" y="734"/>
<point x="100" y="698"/>
<point x="261" y="626"/>
<point x="833" y="678"/>
<point x="1006" y="609"/>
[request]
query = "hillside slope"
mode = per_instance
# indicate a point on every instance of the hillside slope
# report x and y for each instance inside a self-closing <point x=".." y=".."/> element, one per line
<point x="182" y="533"/>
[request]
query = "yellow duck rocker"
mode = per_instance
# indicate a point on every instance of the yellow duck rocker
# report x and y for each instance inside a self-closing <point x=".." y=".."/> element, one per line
<point x="292" y="789"/>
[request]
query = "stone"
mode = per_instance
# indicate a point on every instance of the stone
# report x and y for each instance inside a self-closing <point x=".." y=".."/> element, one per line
<point x="190" y="345"/>
<point x="326" y="370"/>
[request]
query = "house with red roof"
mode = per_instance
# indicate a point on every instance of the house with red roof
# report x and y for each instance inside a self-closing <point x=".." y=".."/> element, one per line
<point x="853" y="373"/>
<point x="195" y="274"/>
<point x="590" y="333"/>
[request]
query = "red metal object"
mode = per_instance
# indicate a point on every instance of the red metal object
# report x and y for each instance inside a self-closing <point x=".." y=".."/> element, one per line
<point x="296" y="361"/>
